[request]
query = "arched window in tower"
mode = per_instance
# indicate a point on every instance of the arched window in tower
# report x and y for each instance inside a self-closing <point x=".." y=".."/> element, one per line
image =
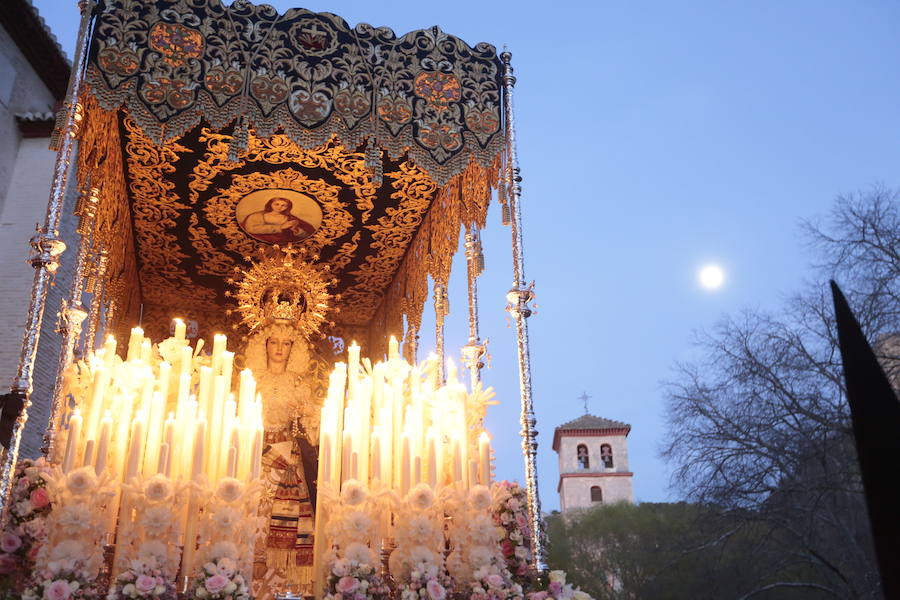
<point x="606" y="456"/>
<point x="596" y="494"/>
<point x="583" y="461"/>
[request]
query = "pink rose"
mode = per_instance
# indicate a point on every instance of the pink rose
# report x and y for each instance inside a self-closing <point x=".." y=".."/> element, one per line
<point x="8" y="563"/>
<point x="10" y="542"/>
<point x="33" y="552"/>
<point x="435" y="590"/>
<point x="39" y="497"/>
<point x="537" y="596"/>
<point x="145" y="584"/>
<point x="495" y="580"/>
<point x="347" y="585"/>
<point x="216" y="583"/>
<point x="555" y="588"/>
<point x="521" y="521"/>
<point x="58" y="590"/>
<point x="508" y="548"/>
<point x="513" y="504"/>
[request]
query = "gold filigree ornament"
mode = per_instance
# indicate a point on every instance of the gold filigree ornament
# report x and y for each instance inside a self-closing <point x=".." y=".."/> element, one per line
<point x="285" y="287"/>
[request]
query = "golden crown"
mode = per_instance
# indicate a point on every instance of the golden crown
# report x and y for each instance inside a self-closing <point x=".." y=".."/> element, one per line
<point x="284" y="286"/>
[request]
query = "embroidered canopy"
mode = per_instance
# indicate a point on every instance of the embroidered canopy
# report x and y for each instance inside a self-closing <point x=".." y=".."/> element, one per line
<point x="219" y="129"/>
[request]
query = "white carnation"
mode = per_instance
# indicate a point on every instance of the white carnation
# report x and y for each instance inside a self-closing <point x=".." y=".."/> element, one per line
<point x="158" y="488"/>
<point x="81" y="481"/>
<point x="153" y="550"/>
<point x="421" y="554"/>
<point x="421" y="497"/>
<point x="223" y="550"/>
<point x="67" y="550"/>
<point x="226" y="518"/>
<point x="75" y="518"/>
<point x="229" y="489"/>
<point x="360" y="553"/>
<point x="419" y="528"/>
<point x="353" y="493"/>
<point x="480" y="497"/>
<point x="358" y="525"/>
<point x="156" y="519"/>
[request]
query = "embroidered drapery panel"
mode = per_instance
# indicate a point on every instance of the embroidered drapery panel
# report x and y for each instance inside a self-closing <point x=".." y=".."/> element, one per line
<point x="427" y="95"/>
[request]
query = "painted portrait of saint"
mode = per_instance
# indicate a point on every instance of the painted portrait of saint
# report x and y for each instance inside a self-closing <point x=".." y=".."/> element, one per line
<point x="277" y="216"/>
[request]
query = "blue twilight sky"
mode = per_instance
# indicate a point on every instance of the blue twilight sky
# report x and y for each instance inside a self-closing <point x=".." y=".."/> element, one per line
<point x="653" y="138"/>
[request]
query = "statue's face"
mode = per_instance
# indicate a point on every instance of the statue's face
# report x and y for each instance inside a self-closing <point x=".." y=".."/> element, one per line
<point x="278" y="349"/>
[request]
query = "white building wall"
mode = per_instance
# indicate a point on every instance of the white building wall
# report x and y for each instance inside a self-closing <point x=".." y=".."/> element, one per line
<point x="575" y="482"/>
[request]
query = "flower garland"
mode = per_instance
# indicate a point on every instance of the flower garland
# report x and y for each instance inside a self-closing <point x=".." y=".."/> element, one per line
<point x="220" y="579"/>
<point x="509" y="507"/>
<point x="493" y="582"/>
<point x="144" y="580"/>
<point x="26" y="531"/>
<point x="62" y="580"/>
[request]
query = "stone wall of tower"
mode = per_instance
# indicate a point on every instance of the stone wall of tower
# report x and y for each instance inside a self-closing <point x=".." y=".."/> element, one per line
<point x="575" y="482"/>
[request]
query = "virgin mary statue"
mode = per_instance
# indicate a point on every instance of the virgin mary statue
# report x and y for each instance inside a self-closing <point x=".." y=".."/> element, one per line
<point x="278" y="356"/>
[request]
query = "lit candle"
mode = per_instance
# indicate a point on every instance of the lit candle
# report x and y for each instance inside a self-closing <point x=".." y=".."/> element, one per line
<point x="352" y="369"/>
<point x="345" y="456"/>
<point x="354" y="466"/>
<point x="136" y="450"/>
<point x="393" y="348"/>
<point x="168" y="443"/>
<point x="431" y="455"/>
<point x="404" y="463"/>
<point x="109" y="351"/>
<point x="257" y="454"/>
<point x="199" y="448"/>
<point x="457" y="460"/>
<point x="232" y="462"/>
<point x="75" y="422"/>
<point x="103" y="444"/>
<point x="376" y="454"/>
<point x="484" y="456"/>
<point x="155" y="424"/>
<point x="162" y="466"/>
<point x="473" y="472"/>
<point x="187" y="356"/>
<point x="219" y="342"/>
<point x="227" y="366"/>
<point x="165" y="371"/>
<point x="134" y="344"/>
<point x="180" y="329"/>
<point x="146" y="350"/>
<point x="417" y="470"/>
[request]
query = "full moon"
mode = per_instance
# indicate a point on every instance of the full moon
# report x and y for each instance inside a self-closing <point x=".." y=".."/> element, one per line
<point x="711" y="277"/>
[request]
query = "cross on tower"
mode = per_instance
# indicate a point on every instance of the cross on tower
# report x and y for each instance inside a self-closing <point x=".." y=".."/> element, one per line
<point x="584" y="398"/>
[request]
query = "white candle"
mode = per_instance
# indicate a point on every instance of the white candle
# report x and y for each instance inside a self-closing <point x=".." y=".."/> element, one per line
<point x="103" y="444"/>
<point x="457" y="460"/>
<point x="473" y="472"/>
<point x="155" y="423"/>
<point x="417" y="470"/>
<point x="393" y="348"/>
<point x="75" y="422"/>
<point x="146" y="350"/>
<point x="376" y="454"/>
<point x="484" y="457"/>
<point x="134" y="344"/>
<point x="227" y="366"/>
<point x="232" y="462"/>
<point x="431" y="454"/>
<point x="199" y="448"/>
<point x="345" y="456"/>
<point x="257" y="454"/>
<point x="162" y="466"/>
<point x="187" y="356"/>
<point x="219" y="342"/>
<point x="137" y="448"/>
<point x="109" y="351"/>
<point x="404" y="463"/>
<point x="354" y="466"/>
<point x="165" y="371"/>
<point x="180" y="329"/>
<point x="352" y="369"/>
<point x="168" y="442"/>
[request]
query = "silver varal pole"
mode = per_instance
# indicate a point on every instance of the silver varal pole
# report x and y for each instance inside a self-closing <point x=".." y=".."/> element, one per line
<point x="46" y="248"/>
<point x="72" y="313"/>
<point x="518" y="299"/>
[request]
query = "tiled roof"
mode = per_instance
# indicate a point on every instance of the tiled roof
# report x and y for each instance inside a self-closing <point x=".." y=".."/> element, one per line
<point x="592" y="422"/>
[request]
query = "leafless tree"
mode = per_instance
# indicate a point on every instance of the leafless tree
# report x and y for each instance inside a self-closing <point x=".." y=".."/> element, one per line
<point x="760" y="426"/>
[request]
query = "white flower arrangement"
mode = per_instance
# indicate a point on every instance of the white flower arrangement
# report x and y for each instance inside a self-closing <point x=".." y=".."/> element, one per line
<point x="350" y="579"/>
<point x="62" y="580"/>
<point x="220" y="579"/>
<point x="26" y="531"/>
<point x="558" y="589"/>
<point x="143" y="580"/>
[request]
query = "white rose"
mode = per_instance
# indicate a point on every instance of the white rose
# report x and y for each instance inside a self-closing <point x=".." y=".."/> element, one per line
<point x="579" y="595"/>
<point x="81" y="481"/>
<point x="558" y="576"/>
<point x="229" y="589"/>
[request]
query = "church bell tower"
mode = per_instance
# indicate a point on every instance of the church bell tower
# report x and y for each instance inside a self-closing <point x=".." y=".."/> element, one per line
<point x="593" y="462"/>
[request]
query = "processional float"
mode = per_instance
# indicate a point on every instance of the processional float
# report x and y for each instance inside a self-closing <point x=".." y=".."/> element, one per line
<point x="213" y="147"/>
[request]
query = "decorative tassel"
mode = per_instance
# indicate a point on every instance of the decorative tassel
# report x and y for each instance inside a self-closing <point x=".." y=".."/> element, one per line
<point x="240" y="143"/>
<point x="506" y="215"/>
<point x="373" y="162"/>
